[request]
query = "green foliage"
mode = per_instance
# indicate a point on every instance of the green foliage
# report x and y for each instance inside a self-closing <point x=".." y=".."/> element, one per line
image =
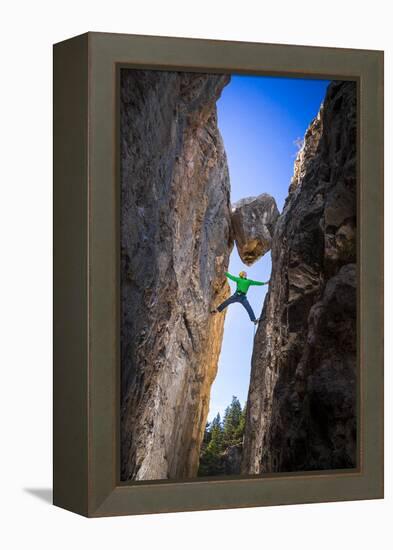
<point x="231" y="424"/>
<point x="218" y="436"/>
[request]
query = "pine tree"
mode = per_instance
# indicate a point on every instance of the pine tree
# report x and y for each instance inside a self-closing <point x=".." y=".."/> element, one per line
<point x="218" y="436"/>
<point x="216" y="440"/>
<point x="232" y="423"/>
<point x="242" y="424"/>
<point x="207" y="435"/>
<point x="212" y="447"/>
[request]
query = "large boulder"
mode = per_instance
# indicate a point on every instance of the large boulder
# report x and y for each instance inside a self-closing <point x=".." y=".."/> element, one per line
<point x="253" y="223"/>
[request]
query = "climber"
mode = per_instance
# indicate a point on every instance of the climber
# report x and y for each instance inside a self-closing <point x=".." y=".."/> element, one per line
<point x="242" y="286"/>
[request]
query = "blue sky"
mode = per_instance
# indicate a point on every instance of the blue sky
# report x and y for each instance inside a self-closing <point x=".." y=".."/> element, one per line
<point x="260" y="118"/>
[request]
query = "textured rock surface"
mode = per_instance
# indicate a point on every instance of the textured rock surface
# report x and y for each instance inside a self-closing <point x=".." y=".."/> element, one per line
<point x="253" y="223"/>
<point x="175" y="246"/>
<point x="231" y="460"/>
<point x="302" y="398"/>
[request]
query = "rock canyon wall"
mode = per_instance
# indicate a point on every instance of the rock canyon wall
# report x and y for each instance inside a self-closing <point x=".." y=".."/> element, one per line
<point x="175" y="246"/>
<point x="301" y="408"/>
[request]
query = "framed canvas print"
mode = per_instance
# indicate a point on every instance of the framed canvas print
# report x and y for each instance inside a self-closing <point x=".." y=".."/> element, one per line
<point x="218" y="274"/>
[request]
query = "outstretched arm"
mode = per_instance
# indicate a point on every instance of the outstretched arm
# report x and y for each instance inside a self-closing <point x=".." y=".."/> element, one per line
<point x="232" y="277"/>
<point x="258" y="283"/>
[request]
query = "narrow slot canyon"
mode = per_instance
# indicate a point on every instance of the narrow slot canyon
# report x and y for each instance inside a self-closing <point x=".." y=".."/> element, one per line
<point x="180" y="234"/>
<point x="223" y="439"/>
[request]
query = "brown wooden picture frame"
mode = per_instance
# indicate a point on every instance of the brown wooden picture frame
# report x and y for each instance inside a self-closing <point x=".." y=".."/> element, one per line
<point x="86" y="274"/>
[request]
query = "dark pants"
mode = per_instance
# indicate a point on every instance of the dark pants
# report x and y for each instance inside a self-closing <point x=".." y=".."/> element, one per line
<point x="242" y="299"/>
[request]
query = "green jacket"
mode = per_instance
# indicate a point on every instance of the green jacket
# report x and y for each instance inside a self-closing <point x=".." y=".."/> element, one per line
<point x="243" y="284"/>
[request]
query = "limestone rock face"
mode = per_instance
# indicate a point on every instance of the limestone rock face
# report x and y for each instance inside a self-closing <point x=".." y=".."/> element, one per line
<point x="175" y="246"/>
<point x="253" y="223"/>
<point x="301" y="409"/>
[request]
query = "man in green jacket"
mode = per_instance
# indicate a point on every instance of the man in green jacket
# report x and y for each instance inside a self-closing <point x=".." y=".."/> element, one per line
<point x="242" y="286"/>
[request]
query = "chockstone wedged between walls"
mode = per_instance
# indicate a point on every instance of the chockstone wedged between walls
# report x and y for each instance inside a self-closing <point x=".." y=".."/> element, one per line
<point x="177" y="235"/>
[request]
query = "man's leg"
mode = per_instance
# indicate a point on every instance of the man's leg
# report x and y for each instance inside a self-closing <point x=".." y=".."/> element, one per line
<point x="227" y="302"/>
<point x="245" y="303"/>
